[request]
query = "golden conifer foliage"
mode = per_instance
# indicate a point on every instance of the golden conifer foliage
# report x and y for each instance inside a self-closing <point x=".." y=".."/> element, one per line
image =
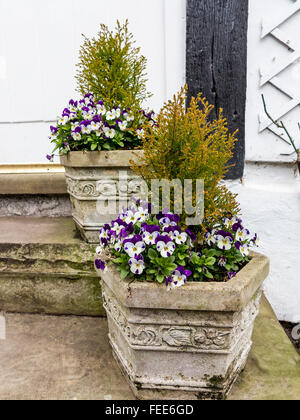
<point x="113" y="69"/>
<point x="186" y="144"/>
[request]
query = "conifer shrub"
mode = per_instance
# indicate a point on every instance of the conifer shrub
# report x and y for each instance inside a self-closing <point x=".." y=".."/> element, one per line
<point x="113" y="69"/>
<point x="187" y="144"/>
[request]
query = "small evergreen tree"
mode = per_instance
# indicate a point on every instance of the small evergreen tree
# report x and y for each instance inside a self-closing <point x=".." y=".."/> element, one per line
<point x="113" y="69"/>
<point x="186" y="144"/>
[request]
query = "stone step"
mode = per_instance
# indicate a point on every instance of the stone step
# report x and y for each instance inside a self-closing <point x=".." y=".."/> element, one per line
<point x="46" y="268"/>
<point x="67" y="358"/>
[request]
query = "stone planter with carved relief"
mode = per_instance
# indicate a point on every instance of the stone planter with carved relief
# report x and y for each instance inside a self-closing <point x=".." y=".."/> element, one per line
<point x="190" y="343"/>
<point x="96" y="180"/>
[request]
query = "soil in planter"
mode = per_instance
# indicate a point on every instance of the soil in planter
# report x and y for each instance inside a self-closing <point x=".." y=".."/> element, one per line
<point x="288" y="327"/>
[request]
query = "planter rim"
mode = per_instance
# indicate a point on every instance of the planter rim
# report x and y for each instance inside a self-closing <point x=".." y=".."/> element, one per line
<point x="231" y="296"/>
<point x="114" y="158"/>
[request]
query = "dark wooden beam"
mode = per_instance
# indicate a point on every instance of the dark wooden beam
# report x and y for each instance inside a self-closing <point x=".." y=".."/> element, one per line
<point x="217" y="62"/>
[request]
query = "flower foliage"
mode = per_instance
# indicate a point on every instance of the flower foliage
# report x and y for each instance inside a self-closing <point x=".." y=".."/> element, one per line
<point x="86" y="125"/>
<point x="185" y="144"/>
<point x="155" y="248"/>
<point x="112" y="67"/>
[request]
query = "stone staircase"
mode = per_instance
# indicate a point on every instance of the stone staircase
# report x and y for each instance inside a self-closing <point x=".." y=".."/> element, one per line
<point x="56" y="347"/>
<point x="46" y="268"/>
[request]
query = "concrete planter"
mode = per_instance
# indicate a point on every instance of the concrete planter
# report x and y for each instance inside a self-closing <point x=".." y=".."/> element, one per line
<point x="93" y="178"/>
<point x="190" y="343"/>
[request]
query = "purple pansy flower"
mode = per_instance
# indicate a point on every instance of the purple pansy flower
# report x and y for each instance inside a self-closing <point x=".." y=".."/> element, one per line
<point x="192" y="235"/>
<point x="100" y="265"/>
<point x="183" y="271"/>
<point x="53" y="129"/>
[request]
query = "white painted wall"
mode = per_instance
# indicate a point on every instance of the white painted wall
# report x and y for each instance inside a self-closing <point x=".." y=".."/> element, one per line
<point x="39" y="44"/>
<point x="270" y="193"/>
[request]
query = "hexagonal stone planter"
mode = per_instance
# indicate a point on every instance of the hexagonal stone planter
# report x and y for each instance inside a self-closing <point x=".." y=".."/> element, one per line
<point x="190" y="343"/>
<point x="93" y="179"/>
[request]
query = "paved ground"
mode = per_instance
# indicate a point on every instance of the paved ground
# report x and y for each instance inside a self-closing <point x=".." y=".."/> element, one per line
<point x="67" y="358"/>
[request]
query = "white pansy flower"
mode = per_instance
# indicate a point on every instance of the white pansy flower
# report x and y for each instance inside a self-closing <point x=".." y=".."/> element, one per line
<point x="224" y="243"/>
<point x="101" y="109"/>
<point x="95" y="126"/>
<point x="179" y="279"/>
<point x="180" y="238"/>
<point x="76" y="136"/>
<point x="140" y="133"/>
<point x="129" y="117"/>
<point x="123" y="125"/>
<point x="166" y="249"/>
<point x="118" y="246"/>
<point x="110" y="116"/>
<point x="244" y="250"/>
<point x="134" y="249"/>
<point x="137" y="266"/>
<point x="109" y="132"/>
<point x="63" y="120"/>
<point x="74" y="126"/>
<point x="117" y="113"/>
<point x="86" y="129"/>
<point x="131" y="217"/>
<point x="210" y="238"/>
<point x="142" y="214"/>
<point x="150" y="238"/>
<point x="103" y="234"/>
<point x="242" y="235"/>
<point x="99" y="250"/>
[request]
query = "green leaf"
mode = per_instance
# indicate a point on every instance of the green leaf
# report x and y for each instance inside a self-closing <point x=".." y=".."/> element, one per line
<point x="160" y="278"/>
<point x="124" y="274"/>
<point x="151" y="271"/>
<point x="210" y="261"/>
<point x="171" y="267"/>
<point x="152" y="254"/>
<point x="208" y="275"/>
<point x="94" y="147"/>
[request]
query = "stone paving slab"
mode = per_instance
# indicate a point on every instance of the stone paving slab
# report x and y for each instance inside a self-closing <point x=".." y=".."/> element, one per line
<point x="67" y="358"/>
<point x="45" y="268"/>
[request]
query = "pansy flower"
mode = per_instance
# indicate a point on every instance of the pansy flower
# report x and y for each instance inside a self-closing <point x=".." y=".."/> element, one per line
<point x="165" y="246"/>
<point x="192" y="235"/>
<point x="210" y="238"/>
<point x="255" y="240"/>
<point x="142" y="214"/>
<point x="63" y="120"/>
<point x="109" y="132"/>
<point x="101" y="108"/>
<point x="100" y="265"/>
<point x="222" y="261"/>
<point x="242" y="234"/>
<point x="118" y="246"/>
<point x="171" y="231"/>
<point x="131" y="217"/>
<point x="183" y="271"/>
<point x="134" y="246"/>
<point x="137" y="265"/>
<point x="179" y="279"/>
<point x="104" y="232"/>
<point x="122" y="125"/>
<point x="224" y="240"/>
<point x="140" y="133"/>
<point x="180" y="237"/>
<point x="53" y="129"/>
<point x="150" y="237"/>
